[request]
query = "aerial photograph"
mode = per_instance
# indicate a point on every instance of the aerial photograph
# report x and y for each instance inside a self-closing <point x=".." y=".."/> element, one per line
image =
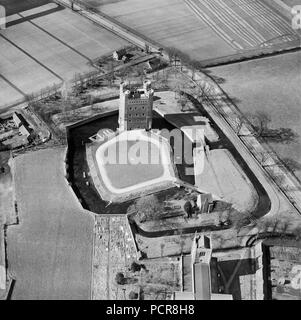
<point x="150" y="150"/>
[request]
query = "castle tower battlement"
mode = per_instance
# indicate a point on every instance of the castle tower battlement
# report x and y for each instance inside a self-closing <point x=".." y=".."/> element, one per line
<point x="136" y="107"/>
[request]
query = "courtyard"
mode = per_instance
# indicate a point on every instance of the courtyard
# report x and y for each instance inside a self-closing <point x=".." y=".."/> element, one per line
<point x="134" y="160"/>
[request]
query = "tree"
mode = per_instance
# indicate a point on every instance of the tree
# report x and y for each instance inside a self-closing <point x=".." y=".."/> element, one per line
<point x="280" y="135"/>
<point x="263" y="156"/>
<point x="110" y="75"/>
<point x="148" y="208"/>
<point x="240" y="220"/>
<point x="172" y="54"/>
<point x="140" y="72"/>
<point x="291" y="164"/>
<point x="30" y="98"/>
<point x="194" y="65"/>
<point x="79" y="84"/>
<point x="238" y="121"/>
<point x="124" y="73"/>
<point x="120" y="278"/>
<point x="188" y="209"/>
<point x="136" y="267"/>
<point x="183" y="102"/>
<point x="297" y="232"/>
<point x="260" y="121"/>
<point x="133" y="295"/>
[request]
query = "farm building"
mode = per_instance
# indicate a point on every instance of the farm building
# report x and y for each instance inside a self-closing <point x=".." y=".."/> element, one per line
<point x="25" y="130"/>
<point x="202" y="275"/>
<point x="22" y="124"/>
<point x="118" y="55"/>
<point x="19" y="119"/>
<point x="205" y="203"/>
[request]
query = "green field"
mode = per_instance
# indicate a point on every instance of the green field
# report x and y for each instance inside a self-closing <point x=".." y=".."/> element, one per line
<point x="271" y="85"/>
<point x="50" y="250"/>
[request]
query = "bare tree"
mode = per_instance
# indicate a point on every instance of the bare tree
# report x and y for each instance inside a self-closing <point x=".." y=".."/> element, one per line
<point x="260" y="121"/>
<point x="262" y="157"/>
<point x="183" y="102"/>
<point x="124" y="73"/>
<point x="297" y="232"/>
<point x="291" y="164"/>
<point x="110" y="75"/>
<point x="240" y="220"/>
<point x="148" y="208"/>
<point x="120" y="278"/>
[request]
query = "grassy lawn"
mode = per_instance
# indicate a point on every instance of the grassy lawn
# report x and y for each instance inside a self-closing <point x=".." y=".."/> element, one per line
<point x="127" y="175"/>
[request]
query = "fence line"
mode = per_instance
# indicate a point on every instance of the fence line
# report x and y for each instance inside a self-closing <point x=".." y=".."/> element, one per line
<point x="287" y="184"/>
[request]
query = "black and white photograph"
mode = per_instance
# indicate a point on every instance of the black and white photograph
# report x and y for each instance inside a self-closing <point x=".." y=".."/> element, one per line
<point x="150" y="153"/>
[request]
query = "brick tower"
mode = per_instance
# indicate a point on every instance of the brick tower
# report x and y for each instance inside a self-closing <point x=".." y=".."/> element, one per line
<point x="136" y="107"/>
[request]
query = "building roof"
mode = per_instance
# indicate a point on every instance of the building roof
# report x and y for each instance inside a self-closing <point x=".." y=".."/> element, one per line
<point x="178" y="295"/>
<point x="201" y="250"/>
<point x="23" y="124"/>
<point x="195" y="133"/>
<point x="201" y="273"/>
<point x="21" y="118"/>
<point x="119" y="54"/>
<point x="25" y="130"/>
<point x="217" y="296"/>
<point x="202" y="282"/>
